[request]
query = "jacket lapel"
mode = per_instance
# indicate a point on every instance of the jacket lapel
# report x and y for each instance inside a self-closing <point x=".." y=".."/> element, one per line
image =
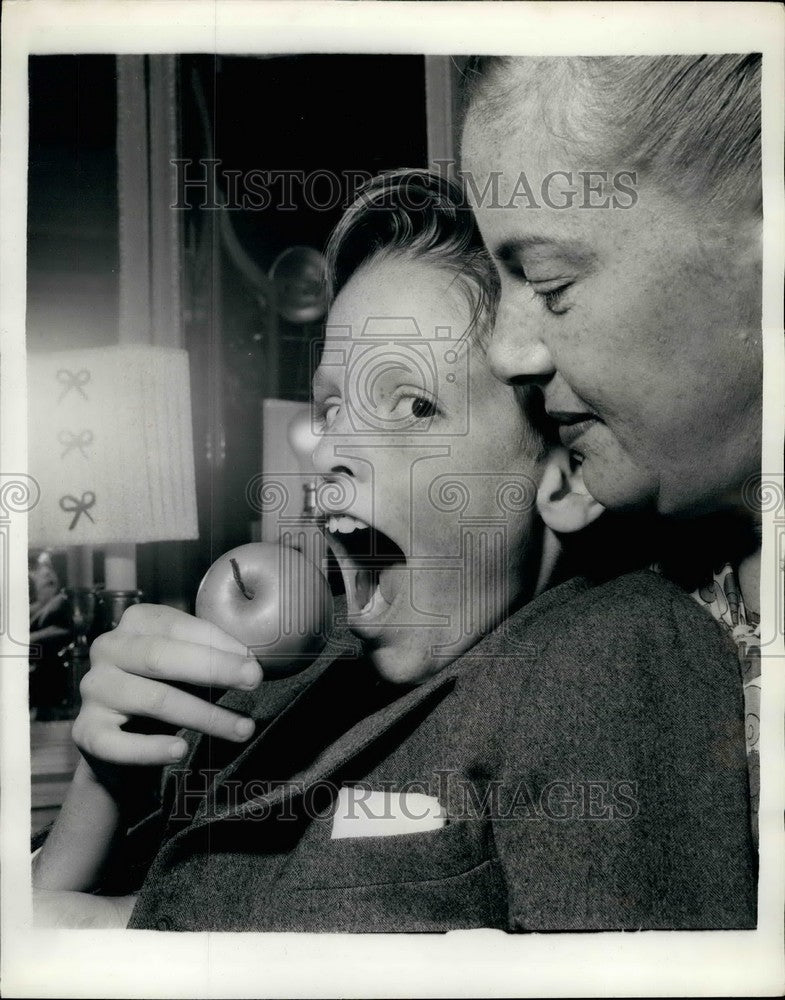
<point x="290" y="737"/>
<point x="296" y="735"/>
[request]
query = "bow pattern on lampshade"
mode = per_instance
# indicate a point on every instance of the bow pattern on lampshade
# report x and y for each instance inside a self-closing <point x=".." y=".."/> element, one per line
<point x="111" y="446"/>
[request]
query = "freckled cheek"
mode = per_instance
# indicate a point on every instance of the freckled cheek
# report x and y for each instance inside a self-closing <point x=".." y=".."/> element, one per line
<point x="496" y="427"/>
<point x="390" y="485"/>
<point x="406" y="503"/>
<point x="592" y="354"/>
<point x="617" y="349"/>
<point x="435" y="532"/>
<point x="677" y="352"/>
<point x="435" y="589"/>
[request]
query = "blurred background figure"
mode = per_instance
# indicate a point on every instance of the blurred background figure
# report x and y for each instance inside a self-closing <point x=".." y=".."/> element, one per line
<point x="50" y="631"/>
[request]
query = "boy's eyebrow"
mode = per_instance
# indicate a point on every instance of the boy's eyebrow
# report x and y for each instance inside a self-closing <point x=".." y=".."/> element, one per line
<point x="571" y="251"/>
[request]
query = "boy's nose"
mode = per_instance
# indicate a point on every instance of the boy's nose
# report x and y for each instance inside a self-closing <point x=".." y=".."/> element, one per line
<point x="342" y="475"/>
<point x="324" y="458"/>
<point x="330" y="459"/>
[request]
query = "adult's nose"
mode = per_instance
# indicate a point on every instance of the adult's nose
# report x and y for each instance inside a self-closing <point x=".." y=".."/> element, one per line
<point x="517" y="354"/>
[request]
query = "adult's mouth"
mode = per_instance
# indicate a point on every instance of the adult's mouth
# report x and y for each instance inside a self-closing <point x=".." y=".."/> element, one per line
<point x="572" y="425"/>
<point x="372" y="566"/>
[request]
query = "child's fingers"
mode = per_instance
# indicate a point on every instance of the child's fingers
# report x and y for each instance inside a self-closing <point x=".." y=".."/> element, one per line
<point x="173" y="659"/>
<point x="125" y="693"/>
<point x="159" y="619"/>
<point x="109" y="744"/>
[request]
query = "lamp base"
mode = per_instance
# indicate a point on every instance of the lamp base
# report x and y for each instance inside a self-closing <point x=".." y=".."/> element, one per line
<point x="112" y="604"/>
<point x="94" y="611"/>
<point x="75" y="656"/>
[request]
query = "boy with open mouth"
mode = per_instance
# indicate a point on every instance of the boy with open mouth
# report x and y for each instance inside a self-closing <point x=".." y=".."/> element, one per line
<point x="497" y="751"/>
<point x="434" y="464"/>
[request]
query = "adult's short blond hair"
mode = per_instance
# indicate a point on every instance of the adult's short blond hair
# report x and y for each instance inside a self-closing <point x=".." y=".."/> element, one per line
<point x="691" y="123"/>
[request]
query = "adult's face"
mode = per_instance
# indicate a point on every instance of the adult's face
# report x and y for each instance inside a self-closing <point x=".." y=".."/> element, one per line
<point x="641" y="323"/>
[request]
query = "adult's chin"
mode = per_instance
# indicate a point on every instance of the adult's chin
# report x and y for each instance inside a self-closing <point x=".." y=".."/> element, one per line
<point x="618" y="483"/>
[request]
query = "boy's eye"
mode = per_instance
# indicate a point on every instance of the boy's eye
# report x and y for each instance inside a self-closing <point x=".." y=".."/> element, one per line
<point x="423" y="408"/>
<point x="411" y="406"/>
<point x="330" y="412"/>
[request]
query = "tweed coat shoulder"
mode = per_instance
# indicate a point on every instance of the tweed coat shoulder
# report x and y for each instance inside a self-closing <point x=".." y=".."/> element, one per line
<point x="589" y="754"/>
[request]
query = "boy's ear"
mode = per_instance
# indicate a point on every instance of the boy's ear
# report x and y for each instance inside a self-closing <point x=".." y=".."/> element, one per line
<point x="562" y="499"/>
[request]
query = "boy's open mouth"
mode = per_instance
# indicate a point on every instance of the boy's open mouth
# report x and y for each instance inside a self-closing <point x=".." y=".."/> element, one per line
<point x="370" y="562"/>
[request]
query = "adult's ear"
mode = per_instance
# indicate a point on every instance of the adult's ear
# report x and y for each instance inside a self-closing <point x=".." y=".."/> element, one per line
<point x="562" y="500"/>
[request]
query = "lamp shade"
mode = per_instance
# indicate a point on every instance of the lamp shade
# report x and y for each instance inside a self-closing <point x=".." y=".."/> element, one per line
<point x="111" y="446"/>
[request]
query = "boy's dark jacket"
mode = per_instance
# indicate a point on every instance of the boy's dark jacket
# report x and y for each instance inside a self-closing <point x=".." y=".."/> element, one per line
<point x="590" y="755"/>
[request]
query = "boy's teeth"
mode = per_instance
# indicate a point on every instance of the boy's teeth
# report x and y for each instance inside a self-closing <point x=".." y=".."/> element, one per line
<point x="345" y="524"/>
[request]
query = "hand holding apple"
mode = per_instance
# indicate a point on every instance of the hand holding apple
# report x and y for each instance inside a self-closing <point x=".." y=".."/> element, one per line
<point x="273" y="600"/>
<point x="155" y="672"/>
<point x="156" y="669"/>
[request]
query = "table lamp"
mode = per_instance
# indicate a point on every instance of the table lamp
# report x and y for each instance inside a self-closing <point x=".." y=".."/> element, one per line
<point x="303" y="441"/>
<point x="111" y="447"/>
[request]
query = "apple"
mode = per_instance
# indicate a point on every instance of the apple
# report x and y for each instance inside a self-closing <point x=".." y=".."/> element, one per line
<point x="273" y="599"/>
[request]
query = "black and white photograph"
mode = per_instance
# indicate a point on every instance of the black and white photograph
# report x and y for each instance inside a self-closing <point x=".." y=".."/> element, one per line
<point x="392" y="440"/>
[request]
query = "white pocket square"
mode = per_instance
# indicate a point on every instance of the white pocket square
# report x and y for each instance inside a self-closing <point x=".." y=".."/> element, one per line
<point x="364" y="812"/>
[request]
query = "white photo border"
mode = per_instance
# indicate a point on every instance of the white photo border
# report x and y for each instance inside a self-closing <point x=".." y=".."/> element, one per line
<point x="38" y="963"/>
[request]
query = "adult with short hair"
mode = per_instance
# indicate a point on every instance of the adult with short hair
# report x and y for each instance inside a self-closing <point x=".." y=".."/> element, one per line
<point x="621" y="200"/>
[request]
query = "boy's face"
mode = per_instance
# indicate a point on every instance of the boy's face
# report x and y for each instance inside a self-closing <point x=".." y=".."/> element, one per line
<point x="430" y="510"/>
